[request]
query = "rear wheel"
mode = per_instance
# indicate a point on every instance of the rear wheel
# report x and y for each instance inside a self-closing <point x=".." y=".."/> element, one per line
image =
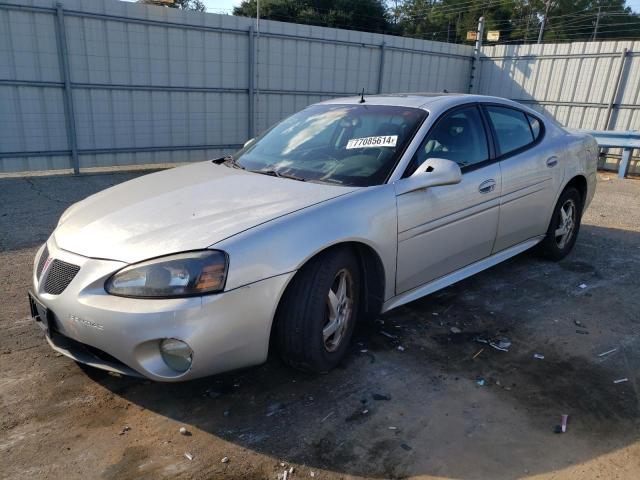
<point x="564" y="226"/>
<point x="317" y="313"/>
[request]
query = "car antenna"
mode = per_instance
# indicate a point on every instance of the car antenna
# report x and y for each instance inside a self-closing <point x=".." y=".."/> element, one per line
<point x="362" y="100"/>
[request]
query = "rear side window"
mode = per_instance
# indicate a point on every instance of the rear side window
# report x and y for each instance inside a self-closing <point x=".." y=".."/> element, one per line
<point x="512" y="127"/>
<point x="535" y="126"/>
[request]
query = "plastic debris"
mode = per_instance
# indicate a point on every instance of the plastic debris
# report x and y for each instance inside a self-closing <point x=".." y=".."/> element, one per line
<point x="400" y="348"/>
<point x="562" y="428"/>
<point x="478" y="353"/>
<point x="327" y="416"/>
<point x="188" y="456"/>
<point x="365" y="411"/>
<point x="499" y="342"/>
<point x="435" y="314"/>
<point x="604" y="354"/>
<point x="312" y="474"/>
<point x="578" y="323"/>
<point x="291" y="470"/>
<point x="538" y="356"/>
<point x="621" y="380"/>
<point x="388" y="335"/>
<point x="455" y="330"/>
<point x="583" y="286"/>
<point x="481" y="381"/>
<point x="393" y="428"/>
<point x="184" y="431"/>
<point x="364" y="350"/>
<point x="125" y="430"/>
<point x="224" y="460"/>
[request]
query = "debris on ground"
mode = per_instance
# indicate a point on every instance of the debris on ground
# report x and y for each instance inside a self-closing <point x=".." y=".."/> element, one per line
<point x="499" y="342"/>
<point x="406" y="447"/>
<point x="400" y="348"/>
<point x="312" y="474"/>
<point x="125" y="430"/>
<point x="481" y="381"/>
<point x="393" y="428"/>
<point x="224" y="460"/>
<point x="604" y="354"/>
<point x="188" y="456"/>
<point x="583" y="286"/>
<point x="455" y="330"/>
<point x="582" y="332"/>
<point x="387" y="334"/>
<point x="478" y="353"/>
<point x="274" y="408"/>
<point x="364" y="350"/>
<point x="538" y="356"/>
<point x="184" y="431"/>
<point x="331" y="413"/>
<point x="578" y="323"/>
<point x="381" y="396"/>
<point x="562" y="428"/>
<point x="621" y="380"/>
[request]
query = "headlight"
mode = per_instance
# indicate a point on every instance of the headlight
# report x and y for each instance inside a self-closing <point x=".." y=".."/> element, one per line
<point x="182" y="275"/>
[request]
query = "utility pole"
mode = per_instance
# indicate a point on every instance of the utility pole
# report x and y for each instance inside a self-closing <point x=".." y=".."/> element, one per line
<point x="595" y="30"/>
<point x="475" y="65"/>
<point x="547" y="6"/>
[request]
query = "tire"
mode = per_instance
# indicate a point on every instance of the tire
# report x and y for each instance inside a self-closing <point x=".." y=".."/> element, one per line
<point x="305" y="319"/>
<point x="554" y="246"/>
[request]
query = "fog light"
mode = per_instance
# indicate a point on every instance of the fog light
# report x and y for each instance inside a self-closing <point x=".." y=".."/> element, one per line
<point x="176" y="354"/>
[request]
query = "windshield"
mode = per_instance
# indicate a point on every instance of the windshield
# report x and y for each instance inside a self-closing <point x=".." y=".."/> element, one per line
<point x="354" y="145"/>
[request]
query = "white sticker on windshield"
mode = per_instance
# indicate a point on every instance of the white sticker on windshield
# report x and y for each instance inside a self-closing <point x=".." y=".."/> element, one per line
<point x="369" y="142"/>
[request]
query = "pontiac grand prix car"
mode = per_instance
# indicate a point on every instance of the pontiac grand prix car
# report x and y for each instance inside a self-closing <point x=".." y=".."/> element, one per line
<point x="346" y="209"/>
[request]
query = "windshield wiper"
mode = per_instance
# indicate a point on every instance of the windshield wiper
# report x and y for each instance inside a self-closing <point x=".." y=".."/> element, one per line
<point x="229" y="161"/>
<point x="275" y="173"/>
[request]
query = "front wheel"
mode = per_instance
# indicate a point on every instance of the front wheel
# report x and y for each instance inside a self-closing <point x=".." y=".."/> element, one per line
<point x="318" y="312"/>
<point x="564" y="226"/>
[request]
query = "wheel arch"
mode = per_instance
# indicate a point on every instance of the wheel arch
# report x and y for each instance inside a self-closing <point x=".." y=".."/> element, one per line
<point x="372" y="273"/>
<point x="579" y="182"/>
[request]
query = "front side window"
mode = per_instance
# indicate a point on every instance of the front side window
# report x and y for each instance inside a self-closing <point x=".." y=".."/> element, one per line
<point x="354" y="145"/>
<point x="512" y="128"/>
<point x="457" y="136"/>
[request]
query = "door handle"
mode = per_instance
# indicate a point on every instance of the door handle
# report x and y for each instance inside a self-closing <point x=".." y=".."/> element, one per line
<point x="552" y="161"/>
<point x="487" y="186"/>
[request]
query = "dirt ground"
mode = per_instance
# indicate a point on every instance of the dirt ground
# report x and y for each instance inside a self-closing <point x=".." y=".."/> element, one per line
<point x="388" y="412"/>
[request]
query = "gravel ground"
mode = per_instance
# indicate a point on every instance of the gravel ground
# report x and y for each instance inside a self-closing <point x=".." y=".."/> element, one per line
<point x="387" y="412"/>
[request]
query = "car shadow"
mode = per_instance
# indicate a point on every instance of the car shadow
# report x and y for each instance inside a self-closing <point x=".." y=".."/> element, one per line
<point x="420" y="393"/>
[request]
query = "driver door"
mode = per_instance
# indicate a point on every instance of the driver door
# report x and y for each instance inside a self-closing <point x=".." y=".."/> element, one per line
<point x="442" y="229"/>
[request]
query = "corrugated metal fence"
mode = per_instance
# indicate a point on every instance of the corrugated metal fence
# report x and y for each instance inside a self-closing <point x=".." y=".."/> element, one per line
<point x="95" y="83"/>
<point x="92" y="83"/>
<point x="589" y="85"/>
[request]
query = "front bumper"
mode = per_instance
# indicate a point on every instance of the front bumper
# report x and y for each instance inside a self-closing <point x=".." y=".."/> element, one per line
<point x="226" y="331"/>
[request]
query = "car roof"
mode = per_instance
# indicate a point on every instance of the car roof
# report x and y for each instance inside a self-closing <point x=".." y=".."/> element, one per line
<point x="419" y="100"/>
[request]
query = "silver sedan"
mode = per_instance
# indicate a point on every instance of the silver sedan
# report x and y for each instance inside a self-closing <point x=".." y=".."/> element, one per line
<point x="342" y="211"/>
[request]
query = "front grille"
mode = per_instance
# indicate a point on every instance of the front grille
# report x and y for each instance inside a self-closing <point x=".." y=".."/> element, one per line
<point x="41" y="261"/>
<point x="59" y="276"/>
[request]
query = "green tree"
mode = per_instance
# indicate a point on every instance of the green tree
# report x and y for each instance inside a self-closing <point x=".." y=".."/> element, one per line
<point x="195" y="5"/>
<point x="364" y="15"/>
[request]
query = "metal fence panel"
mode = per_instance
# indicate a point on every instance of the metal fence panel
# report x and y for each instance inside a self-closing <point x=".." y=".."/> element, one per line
<point x="119" y="83"/>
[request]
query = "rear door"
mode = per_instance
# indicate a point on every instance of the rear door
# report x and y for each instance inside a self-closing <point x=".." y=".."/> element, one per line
<point x="442" y="229"/>
<point x="531" y="174"/>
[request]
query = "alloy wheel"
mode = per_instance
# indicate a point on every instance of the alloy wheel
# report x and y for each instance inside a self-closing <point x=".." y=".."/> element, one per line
<point x="566" y="223"/>
<point x="339" y="310"/>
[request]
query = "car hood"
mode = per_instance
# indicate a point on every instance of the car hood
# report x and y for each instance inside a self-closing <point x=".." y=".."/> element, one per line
<point x="180" y="209"/>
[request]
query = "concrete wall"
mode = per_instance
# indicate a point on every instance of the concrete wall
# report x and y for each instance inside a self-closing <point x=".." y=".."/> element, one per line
<point x="103" y="82"/>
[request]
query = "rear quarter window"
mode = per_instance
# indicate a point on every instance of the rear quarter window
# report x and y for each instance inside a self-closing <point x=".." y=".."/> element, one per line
<point x="512" y="128"/>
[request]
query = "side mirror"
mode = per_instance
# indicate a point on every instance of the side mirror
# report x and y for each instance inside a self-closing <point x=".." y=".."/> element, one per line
<point x="433" y="172"/>
<point x="249" y="142"/>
